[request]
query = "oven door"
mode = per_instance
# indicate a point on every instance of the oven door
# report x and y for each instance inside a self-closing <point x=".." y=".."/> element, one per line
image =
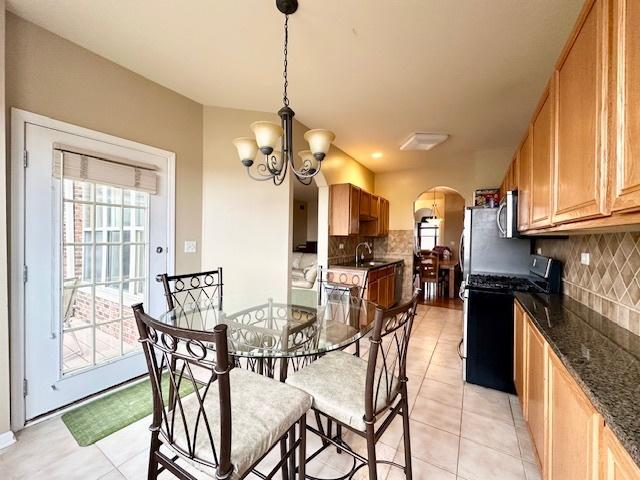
<point x="488" y="339"/>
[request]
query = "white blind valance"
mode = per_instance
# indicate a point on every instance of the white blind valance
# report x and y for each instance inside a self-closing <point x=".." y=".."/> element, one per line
<point x="95" y="169"/>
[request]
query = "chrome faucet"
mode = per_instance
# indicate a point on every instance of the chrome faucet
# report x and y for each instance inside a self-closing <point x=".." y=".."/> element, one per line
<point x="366" y="244"/>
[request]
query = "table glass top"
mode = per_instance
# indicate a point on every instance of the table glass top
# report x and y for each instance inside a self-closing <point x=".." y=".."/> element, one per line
<point x="273" y="329"/>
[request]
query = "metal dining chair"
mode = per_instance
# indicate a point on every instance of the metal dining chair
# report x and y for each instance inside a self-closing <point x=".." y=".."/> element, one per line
<point x="430" y="272"/>
<point x="233" y="418"/>
<point x="342" y="291"/>
<point x="358" y="394"/>
<point x="193" y="290"/>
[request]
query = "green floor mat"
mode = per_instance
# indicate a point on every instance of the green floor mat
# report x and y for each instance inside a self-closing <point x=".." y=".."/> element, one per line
<point x="100" y="418"/>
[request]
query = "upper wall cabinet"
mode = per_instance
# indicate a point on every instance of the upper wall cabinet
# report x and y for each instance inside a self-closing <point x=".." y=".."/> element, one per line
<point x="523" y="163"/>
<point x="542" y="163"/>
<point x="354" y="211"/>
<point x="625" y="174"/>
<point x="345" y="210"/>
<point x="580" y="182"/>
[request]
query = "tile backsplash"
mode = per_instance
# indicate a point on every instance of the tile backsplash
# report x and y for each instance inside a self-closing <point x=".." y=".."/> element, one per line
<point x="610" y="284"/>
<point x="347" y="254"/>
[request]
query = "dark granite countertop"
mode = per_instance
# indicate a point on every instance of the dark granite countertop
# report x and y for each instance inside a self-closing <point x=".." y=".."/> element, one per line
<point x="380" y="263"/>
<point x="603" y="357"/>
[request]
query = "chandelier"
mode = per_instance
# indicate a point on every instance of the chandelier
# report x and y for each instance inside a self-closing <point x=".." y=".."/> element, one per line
<point x="269" y="135"/>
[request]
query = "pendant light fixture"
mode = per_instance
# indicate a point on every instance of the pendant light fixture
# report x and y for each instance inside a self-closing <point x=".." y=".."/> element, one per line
<point x="434" y="219"/>
<point x="269" y="136"/>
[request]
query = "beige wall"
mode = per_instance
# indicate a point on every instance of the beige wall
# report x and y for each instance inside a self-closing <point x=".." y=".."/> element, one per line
<point x="4" y="310"/>
<point x="312" y="221"/>
<point x="454" y="222"/>
<point x="300" y="224"/>
<point x="51" y="76"/>
<point x="245" y="224"/>
<point x="473" y="171"/>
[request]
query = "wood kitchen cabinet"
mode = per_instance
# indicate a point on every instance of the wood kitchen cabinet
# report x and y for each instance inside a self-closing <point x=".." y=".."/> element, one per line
<point x="381" y="286"/>
<point x="345" y="210"/>
<point x="542" y="156"/>
<point x="374" y="209"/>
<point x="574" y="428"/>
<point x="353" y="211"/>
<point x="519" y="352"/>
<point x="569" y="435"/>
<point x="625" y="171"/>
<point x="615" y="463"/>
<point x="365" y="205"/>
<point x="535" y="388"/>
<point x="524" y="183"/>
<point x="581" y="96"/>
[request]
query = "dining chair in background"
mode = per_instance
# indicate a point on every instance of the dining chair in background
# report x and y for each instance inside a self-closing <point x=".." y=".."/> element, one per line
<point x="197" y="428"/>
<point x="342" y="291"/>
<point x="430" y="272"/>
<point x="359" y="394"/>
<point x="189" y="290"/>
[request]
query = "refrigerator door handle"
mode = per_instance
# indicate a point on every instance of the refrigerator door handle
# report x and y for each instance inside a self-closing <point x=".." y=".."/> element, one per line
<point x="460" y="251"/>
<point x="460" y="349"/>
<point x="502" y="206"/>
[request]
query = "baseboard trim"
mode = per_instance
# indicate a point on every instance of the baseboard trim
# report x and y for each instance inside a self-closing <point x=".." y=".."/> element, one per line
<point x="7" y="439"/>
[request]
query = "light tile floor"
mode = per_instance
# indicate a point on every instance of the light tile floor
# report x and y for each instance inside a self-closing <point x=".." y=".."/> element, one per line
<point x="458" y="431"/>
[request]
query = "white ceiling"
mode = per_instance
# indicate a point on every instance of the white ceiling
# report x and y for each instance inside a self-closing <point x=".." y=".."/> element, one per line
<point x="371" y="70"/>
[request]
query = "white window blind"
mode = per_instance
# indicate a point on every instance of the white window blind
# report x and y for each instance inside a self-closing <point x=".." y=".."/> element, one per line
<point x="90" y="168"/>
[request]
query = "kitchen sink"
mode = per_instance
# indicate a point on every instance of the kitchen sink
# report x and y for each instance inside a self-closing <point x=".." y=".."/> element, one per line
<point x="373" y="263"/>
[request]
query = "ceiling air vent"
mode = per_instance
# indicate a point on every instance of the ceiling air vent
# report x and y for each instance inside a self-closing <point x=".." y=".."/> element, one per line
<point x="423" y="141"/>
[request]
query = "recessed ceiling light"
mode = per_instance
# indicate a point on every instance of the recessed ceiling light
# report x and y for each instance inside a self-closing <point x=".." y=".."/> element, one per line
<point x="376" y="155"/>
<point x="423" y="141"/>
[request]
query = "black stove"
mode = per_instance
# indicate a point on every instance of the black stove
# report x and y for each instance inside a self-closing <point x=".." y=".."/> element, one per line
<point x="504" y="283"/>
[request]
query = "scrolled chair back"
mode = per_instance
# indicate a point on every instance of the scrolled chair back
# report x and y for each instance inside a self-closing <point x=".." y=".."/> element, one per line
<point x="189" y="290"/>
<point x="196" y="296"/>
<point x="387" y="363"/>
<point x="201" y="361"/>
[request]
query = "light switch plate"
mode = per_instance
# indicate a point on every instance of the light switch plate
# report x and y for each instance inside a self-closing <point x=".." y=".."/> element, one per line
<point x="190" y="246"/>
<point x="341" y="246"/>
<point x="584" y="258"/>
<point x="539" y="251"/>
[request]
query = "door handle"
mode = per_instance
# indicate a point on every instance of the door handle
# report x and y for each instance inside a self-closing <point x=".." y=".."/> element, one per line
<point x="460" y="348"/>
<point x="500" y="209"/>
<point x="158" y="249"/>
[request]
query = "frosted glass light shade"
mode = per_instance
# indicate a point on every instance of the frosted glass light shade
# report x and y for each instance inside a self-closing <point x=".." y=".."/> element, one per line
<point x="267" y="135"/>
<point x="308" y="160"/>
<point x="247" y="148"/>
<point x="319" y="140"/>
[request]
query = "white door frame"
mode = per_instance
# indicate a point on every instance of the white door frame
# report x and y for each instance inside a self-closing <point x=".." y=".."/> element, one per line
<point x="19" y="121"/>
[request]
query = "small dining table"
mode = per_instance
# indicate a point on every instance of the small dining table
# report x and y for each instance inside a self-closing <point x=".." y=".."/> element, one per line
<point x="264" y="335"/>
<point x="450" y="265"/>
<point x="273" y="338"/>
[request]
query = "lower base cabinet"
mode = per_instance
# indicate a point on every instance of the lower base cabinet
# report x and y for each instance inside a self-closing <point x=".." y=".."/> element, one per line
<point x="535" y="389"/>
<point x="615" y="464"/>
<point x="570" y="436"/>
<point x="574" y="428"/>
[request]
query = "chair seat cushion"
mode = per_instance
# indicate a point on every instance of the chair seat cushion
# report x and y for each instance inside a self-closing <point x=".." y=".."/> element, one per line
<point x="337" y="383"/>
<point x="262" y="410"/>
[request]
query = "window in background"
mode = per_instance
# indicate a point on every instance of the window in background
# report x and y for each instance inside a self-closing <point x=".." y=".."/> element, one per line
<point x="428" y="234"/>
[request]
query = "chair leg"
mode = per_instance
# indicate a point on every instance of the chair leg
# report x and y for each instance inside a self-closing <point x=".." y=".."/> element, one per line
<point x="292" y="453"/>
<point x="152" y="473"/>
<point x="302" y="451"/>
<point x="407" y="437"/>
<point x="283" y="453"/>
<point x="371" y="453"/>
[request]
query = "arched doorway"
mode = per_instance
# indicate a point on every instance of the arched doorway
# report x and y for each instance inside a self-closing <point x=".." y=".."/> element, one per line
<point x="438" y="223"/>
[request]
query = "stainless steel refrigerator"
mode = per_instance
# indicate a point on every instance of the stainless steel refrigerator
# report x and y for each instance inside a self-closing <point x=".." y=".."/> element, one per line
<point x="484" y="252"/>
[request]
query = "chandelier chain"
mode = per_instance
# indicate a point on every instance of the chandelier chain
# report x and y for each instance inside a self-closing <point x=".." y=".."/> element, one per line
<point x="285" y="98"/>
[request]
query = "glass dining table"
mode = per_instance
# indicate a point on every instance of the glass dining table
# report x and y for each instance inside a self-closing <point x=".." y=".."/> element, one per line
<point x="272" y="338"/>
